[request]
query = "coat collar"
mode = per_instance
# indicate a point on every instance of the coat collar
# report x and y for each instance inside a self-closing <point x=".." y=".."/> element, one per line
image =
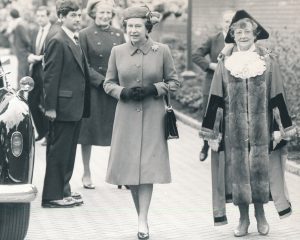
<point x="107" y="29"/>
<point x="145" y="48"/>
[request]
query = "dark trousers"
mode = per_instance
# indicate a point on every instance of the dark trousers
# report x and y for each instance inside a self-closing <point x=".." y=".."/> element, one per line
<point x="60" y="158"/>
<point x="35" y="102"/>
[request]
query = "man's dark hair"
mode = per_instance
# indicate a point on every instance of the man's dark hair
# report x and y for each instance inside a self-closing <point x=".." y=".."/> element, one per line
<point x="14" y="13"/>
<point x="63" y="7"/>
<point x="43" y="8"/>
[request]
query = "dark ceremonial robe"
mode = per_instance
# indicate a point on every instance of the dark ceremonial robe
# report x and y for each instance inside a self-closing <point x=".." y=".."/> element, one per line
<point x="248" y="168"/>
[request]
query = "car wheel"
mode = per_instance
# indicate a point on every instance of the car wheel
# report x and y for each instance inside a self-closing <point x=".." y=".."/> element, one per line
<point x="14" y="220"/>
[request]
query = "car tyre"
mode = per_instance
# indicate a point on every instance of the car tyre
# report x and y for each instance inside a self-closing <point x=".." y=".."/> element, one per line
<point x="14" y="220"/>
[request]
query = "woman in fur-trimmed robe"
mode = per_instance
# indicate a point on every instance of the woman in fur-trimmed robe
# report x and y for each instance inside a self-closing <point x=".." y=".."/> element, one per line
<point x="247" y="124"/>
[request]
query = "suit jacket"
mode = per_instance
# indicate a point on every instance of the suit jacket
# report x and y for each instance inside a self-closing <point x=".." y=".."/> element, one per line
<point x="212" y="47"/>
<point x="55" y="27"/>
<point x="35" y="69"/>
<point x="66" y="79"/>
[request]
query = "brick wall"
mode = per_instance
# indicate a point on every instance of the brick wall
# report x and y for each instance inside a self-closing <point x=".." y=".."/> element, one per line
<point x="272" y="14"/>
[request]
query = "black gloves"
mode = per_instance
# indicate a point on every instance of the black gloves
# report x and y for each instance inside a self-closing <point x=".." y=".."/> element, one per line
<point x="133" y="93"/>
<point x="149" y="91"/>
<point x="138" y="93"/>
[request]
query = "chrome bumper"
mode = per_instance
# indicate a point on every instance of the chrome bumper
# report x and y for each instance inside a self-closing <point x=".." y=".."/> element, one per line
<point x="20" y="193"/>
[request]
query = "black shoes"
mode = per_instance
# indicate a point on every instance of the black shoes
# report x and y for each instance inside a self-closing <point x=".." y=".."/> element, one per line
<point x="126" y="186"/>
<point x="142" y="235"/>
<point x="204" y="152"/>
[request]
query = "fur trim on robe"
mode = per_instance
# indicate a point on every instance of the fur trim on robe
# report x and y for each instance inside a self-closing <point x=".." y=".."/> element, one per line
<point x="248" y="107"/>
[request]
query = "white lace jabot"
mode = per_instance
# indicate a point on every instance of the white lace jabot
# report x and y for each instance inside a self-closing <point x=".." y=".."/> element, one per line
<point x="245" y="64"/>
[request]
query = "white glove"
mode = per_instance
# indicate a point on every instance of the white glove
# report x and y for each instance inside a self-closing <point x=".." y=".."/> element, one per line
<point x="215" y="143"/>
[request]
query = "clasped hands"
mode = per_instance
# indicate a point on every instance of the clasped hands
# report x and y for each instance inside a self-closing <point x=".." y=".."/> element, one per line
<point x="138" y="93"/>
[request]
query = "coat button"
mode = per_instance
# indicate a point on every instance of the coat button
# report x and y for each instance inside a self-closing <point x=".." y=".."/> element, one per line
<point x="100" y="55"/>
<point x="95" y="32"/>
<point x="138" y="110"/>
<point x="138" y="80"/>
<point x="114" y="44"/>
<point x="138" y="51"/>
<point x="100" y="68"/>
<point x="98" y="43"/>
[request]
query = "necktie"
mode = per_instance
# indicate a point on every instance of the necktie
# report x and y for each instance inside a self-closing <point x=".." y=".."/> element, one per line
<point x="39" y="42"/>
<point x="76" y="39"/>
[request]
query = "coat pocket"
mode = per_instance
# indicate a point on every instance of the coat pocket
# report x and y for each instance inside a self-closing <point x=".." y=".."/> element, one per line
<point x="65" y="93"/>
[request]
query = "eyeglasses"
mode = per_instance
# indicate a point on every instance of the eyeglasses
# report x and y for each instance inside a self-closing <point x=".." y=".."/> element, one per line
<point x="240" y="32"/>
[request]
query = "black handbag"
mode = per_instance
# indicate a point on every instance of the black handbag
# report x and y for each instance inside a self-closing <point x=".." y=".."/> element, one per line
<point x="171" y="131"/>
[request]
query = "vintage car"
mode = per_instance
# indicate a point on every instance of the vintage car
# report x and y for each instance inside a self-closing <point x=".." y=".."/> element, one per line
<point x="16" y="159"/>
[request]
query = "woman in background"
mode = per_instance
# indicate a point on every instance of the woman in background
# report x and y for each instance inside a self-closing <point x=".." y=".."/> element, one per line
<point x="96" y="42"/>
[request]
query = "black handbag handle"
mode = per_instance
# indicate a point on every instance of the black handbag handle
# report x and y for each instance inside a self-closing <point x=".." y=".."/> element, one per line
<point x="168" y="98"/>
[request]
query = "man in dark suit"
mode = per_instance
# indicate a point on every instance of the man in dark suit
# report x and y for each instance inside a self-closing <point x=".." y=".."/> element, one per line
<point x="36" y="71"/>
<point x="66" y="89"/>
<point x="211" y="47"/>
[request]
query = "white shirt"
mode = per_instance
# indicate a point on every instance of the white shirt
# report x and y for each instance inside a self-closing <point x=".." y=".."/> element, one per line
<point x="69" y="33"/>
<point x="41" y="36"/>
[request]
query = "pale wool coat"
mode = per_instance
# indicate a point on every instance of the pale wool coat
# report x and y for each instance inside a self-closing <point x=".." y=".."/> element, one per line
<point x="139" y="150"/>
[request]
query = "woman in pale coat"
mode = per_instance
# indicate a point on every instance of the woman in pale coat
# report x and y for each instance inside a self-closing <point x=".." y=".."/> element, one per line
<point x="247" y="124"/>
<point x="139" y="75"/>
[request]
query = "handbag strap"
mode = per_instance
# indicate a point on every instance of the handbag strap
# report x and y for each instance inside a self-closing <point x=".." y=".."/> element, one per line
<point x="168" y="98"/>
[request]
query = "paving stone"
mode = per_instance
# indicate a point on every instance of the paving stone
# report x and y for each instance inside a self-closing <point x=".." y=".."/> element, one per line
<point x="180" y="210"/>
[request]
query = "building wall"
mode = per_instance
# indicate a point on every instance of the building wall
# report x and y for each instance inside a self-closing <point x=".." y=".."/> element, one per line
<point x="272" y="14"/>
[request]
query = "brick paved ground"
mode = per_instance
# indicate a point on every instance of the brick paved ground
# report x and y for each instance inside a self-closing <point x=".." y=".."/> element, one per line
<point x="181" y="210"/>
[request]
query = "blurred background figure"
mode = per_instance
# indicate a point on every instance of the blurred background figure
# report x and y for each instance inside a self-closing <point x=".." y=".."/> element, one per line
<point x="97" y="41"/>
<point x="35" y="99"/>
<point x="18" y="32"/>
<point x="211" y="48"/>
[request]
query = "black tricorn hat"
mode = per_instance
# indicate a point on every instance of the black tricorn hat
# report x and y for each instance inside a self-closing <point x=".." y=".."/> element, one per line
<point x="240" y="14"/>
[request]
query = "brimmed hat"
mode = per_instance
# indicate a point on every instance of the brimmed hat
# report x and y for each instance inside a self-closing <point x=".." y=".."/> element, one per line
<point x="240" y="14"/>
<point x="92" y="3"/>
<point x="141" y="12"/>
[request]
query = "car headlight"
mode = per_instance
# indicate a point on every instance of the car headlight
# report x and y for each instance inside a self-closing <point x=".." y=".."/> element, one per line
<point x="16" y="144"/>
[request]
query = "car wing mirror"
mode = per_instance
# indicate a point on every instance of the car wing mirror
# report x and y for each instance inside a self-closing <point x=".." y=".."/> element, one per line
<point x="26" y="85"/>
